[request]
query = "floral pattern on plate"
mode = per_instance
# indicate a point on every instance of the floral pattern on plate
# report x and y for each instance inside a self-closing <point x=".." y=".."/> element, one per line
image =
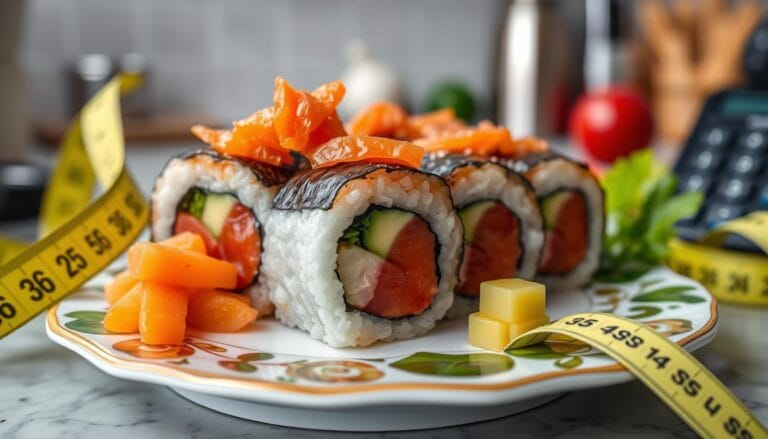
<point x="290" y="361"/>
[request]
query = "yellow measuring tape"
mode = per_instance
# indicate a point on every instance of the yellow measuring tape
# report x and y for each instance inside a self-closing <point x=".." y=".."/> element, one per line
<point x="731" y="276"/>
<point x="677" y="378"/>
<point x="81" y="239"/>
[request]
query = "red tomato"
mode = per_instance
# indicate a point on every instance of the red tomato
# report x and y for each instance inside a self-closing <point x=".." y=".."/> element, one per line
<point x="611" y="123"/>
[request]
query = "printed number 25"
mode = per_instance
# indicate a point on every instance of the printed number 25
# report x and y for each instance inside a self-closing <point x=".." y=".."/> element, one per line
<point x="72" y="261"/>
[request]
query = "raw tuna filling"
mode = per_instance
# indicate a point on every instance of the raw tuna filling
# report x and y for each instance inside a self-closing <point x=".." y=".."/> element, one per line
<point x="565" y="242"/>
<point x="386" y="263"/>
<point x="491" y="245"/>
<point x="229" y="229"/>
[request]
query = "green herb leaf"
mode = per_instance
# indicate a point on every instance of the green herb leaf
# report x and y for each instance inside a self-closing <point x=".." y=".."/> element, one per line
<point x="354" y="233"/>
<point x="641" y="210"/>
<point x="193" y="202"/>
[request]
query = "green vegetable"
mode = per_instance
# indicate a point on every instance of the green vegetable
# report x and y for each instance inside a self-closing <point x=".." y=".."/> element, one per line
<point x="641" y="210"/>
<point x="193" y="202"/>
<point x="452" y="95"/>
<point x="354" y="233"/>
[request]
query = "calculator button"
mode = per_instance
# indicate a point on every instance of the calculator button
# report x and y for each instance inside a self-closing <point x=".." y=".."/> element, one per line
<point x="716" y="137"/>
<point x="705" y="159"/>
<point x="719" y="213"/>
<point x="734" y="189"/>
<point x="696" y="182"/>
<point x="744" y="164"/>
<point x="754" y="141"/>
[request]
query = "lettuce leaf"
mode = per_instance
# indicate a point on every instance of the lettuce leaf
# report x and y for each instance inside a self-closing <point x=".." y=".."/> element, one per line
<point x="641" y="211"/>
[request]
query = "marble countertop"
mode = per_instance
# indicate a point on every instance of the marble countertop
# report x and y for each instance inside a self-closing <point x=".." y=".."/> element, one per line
<point x="47" y="391"/>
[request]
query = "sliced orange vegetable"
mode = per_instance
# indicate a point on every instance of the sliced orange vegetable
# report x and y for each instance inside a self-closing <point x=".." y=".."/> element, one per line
<point x="186" y="241"/>
<point x="149" y="261"/>
<point x="331" y="128"/>
<point x="123" y="316"/>
<point x="163" y="312"/>
<point x="366" y="148"/>
<point x="383" y="119"/>
<point x="119" y="286"/>
<point x="299" y="113"/>
<point x="433" y="124"/>
<point x="219" y="311"/>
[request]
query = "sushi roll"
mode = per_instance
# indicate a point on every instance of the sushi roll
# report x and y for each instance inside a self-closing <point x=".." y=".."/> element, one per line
<point x="362" y="252"/>
<point x="571" y="203"/>
<point x="503" y="233"/>
<point x="225" y="200"/>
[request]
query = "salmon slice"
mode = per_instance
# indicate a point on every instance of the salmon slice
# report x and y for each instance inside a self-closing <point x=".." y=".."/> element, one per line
<point x="366" y="148"/>
<point x="494" y="251"/>
<point x="240" y="244"/>
<point x="382" y="119"/>
<point x="408" y="285"/>
<point x="331" y="128"/>
<point x="565" y="245"/>
<point x="433" y="124"/>
<point x="298" y="112"/>
<point x="484" y="140"/>
<point x="253" y="137"/>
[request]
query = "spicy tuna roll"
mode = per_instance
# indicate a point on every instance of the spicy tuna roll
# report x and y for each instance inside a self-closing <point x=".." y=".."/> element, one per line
<point x="503" y="234"/>
<point x="226" y="201"/>
<point x="363" y="252"/>
<point x="571" y="203"/>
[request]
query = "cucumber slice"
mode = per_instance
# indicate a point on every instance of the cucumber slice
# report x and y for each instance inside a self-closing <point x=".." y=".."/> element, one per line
<point x="384" y="226"/>
<point x="551" y="205"/>
<point x="470" y="218"/>
<point x="216" y="210"/>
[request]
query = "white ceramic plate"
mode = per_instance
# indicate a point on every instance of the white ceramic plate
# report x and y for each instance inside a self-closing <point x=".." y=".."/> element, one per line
<point x="275" y="374"/>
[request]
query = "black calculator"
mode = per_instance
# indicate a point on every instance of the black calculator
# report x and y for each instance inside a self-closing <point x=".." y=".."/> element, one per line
<point x="726" y="157"/>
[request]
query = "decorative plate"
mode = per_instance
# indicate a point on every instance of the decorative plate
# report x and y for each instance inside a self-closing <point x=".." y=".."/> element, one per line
<point x="275" y="374"/>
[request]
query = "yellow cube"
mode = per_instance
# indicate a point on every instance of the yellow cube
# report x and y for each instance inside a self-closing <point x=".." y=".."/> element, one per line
<point x="517" y="329"/>
<point x="512" y="300"/>
<point x="487" y="333"/>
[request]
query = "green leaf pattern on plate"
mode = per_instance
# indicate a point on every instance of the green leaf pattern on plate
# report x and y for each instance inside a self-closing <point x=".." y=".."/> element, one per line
<point x="88" y="322"/>
<point x="673" y="293"/>
<point x="460" y="365"/>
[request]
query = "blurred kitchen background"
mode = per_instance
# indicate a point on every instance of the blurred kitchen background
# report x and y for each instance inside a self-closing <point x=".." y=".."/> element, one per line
<point x="217" y="59"/>
<point x="522" y="63"/>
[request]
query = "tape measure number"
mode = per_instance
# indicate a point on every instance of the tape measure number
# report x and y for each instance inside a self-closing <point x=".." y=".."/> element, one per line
<point x="677" y="378"/>
<point x="67" y="258"/>
<point x="80" y="246"/>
